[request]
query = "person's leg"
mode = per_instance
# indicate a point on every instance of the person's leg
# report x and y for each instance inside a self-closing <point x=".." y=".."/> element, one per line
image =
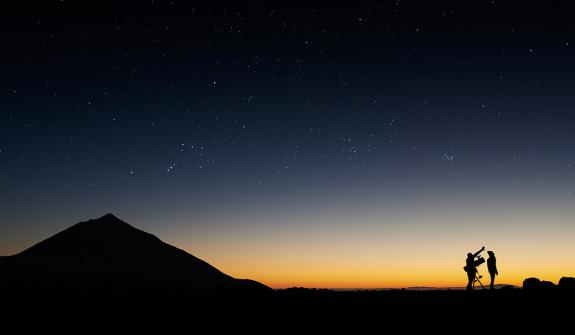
<point x="492" y="280"/>
<point x="470" y="278"/>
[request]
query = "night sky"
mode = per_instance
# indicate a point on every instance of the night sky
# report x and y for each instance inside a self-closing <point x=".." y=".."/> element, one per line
<point x="298" y="143"/>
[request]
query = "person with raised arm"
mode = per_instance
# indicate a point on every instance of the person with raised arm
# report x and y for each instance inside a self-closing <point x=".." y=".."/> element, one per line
<point x="471" y="268"/>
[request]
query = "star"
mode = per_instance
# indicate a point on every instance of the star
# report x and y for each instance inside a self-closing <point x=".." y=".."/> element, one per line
<point x="448" y="157"/>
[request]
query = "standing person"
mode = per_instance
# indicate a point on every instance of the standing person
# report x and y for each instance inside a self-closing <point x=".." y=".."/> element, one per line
<point x="492" y="267"/>
<point x="470" y="268"/>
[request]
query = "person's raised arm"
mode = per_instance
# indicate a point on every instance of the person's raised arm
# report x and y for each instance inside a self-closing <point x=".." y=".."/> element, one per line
<point x="477" y="253"/>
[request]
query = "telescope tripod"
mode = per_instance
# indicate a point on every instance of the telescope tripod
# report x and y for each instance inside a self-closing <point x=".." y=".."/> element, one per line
<point x="477" y="277"/>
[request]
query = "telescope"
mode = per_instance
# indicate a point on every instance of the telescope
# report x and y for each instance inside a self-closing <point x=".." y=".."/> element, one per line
<point x="480" y="260"/>
<point x="476" y="262"/>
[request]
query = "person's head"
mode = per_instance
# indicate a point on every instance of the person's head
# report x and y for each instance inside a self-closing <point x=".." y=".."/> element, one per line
<point x="469" y="255"/>
<point x="491" y="253"/>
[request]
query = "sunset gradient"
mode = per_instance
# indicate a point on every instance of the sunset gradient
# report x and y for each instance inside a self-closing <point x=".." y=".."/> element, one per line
<point x="368" y="247"/>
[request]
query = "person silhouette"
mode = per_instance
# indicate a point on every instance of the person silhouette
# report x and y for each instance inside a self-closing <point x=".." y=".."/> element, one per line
<point x="492" y="267"/>
<point x="471" y="269"/>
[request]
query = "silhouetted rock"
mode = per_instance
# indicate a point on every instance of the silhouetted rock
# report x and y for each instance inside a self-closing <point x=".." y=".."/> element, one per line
<point x="547" y="285"/>
<point x="567" y="283"/>
<point x="532" y="284"/>
<point x="108" y="252"/>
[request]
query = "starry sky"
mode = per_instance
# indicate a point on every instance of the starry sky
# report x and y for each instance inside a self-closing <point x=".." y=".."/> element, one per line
<point x="307" y="143"/>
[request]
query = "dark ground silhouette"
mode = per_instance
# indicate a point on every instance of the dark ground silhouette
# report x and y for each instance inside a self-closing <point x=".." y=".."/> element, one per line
<point x="291" y="310"/>
<point x="106" y="275"/>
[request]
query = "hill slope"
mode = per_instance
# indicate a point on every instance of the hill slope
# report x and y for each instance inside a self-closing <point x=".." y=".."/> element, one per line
<point x="110" y="250"/>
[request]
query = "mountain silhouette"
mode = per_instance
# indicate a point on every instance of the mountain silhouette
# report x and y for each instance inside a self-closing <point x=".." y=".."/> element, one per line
<point x="108" y="250"/>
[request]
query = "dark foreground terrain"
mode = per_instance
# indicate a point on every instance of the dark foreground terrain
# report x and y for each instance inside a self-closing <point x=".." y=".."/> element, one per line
<point x="289" y="310"/>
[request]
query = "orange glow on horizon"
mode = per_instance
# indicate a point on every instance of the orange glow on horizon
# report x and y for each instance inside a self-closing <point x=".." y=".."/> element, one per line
<point x="374" y="257"/>
<point x="352" y="279"/>
<point x="278" y="271"/>
<point x="370" y="250"/>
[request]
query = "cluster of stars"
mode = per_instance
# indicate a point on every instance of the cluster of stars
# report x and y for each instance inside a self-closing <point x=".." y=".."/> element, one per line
<point x="307" y="97"/>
